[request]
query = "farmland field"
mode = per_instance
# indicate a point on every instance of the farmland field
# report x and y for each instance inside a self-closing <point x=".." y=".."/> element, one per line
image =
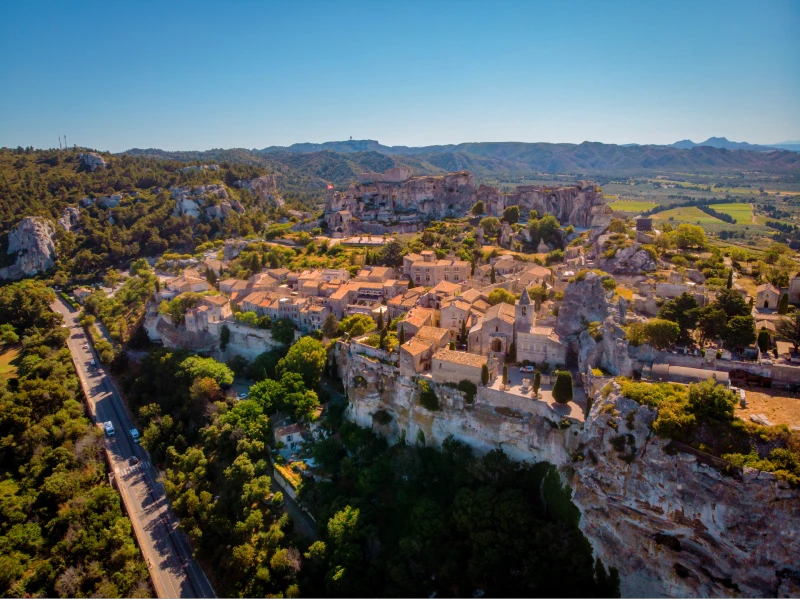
<point x="631" y="206"/>
<point x="742" y="213"/>
<point x="687" y="215"/>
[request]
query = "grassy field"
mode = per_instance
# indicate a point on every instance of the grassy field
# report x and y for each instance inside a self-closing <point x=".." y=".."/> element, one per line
<point x="631" y="206"/>
<point x="742" y="213"/>
<point x="8" y="362"/>
<point x="687" y="215"/>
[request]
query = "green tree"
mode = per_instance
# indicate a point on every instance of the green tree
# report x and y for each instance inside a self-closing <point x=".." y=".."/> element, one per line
<point x="478" y="208"/>
<point x="690" y="236"/>
<point x="511" y="215"/>
<point x="505" y="374"/>
<point x="491" y="225"/>
<point x="224" y="337"/>
<point x="401" y="335"/>
<point x="763" y="340"/>
<point x="283" y="331"/>
<point x="463" y="337"/>
<point x="548" y="230"/>
<point x="562" y="389"/>
<point x="732" y="303"/>
<point x="788" y="328"/>
<point x="661" y="333"/>
<point x="492" y="276"/>
<point x="306" y="358"/>
<point x="8" y="336"/>
<point x="196" y="367"/>
<point x="380" y="320"/>
<point x="484" y="375"/>
<point x="501" y="295"/>
<point x="537" y="382"/>
<point x="740" y="331"/>
<point x="357" y="325"/>
<point x="729" y="284"/>
<point x="712" y="320"/>
<point x="684" y="311"/>
<point x="330" y="328"/>
<point x="783" y="304"/>
<point x="710" y="400"/>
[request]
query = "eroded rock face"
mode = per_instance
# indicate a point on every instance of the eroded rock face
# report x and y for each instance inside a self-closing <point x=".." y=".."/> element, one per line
<point x="632" y="260"/>
<point x="676" y="527"/>
<point x="672" y="525"/>
<point x="584" y="302"/>
<point x="573" y="205"/>
<point x="92" y="161"/>
<point x="381" y="206"/>
<point x="32" y="243"/>
<point x="201" y="200"/>
<point x="69" y="218"/>
<point x="265" y="188"/>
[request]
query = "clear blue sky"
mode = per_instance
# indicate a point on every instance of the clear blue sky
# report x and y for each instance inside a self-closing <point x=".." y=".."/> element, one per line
<point x="200" y="75"/>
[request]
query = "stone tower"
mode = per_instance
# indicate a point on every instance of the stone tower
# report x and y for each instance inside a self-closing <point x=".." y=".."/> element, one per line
<point x="525" y="313"/>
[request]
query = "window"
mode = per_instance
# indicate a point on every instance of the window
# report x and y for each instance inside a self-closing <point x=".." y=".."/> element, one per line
<point x="524" y="310"/>
<point x="288" y="438"/>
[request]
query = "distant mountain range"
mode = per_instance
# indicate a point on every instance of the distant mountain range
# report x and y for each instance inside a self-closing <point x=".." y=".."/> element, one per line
<point x="723" y="142"/>
<point x="308" y="167"/>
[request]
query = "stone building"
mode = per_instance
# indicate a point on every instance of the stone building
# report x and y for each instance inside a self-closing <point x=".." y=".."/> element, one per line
<point x="494" y="332"/>
<point x="453" y="367"/>
<point x="768" y="296"/>
<point x="416" y="354"/>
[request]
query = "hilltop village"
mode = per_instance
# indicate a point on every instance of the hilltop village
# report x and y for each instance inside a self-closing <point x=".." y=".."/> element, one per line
<point x="629" y="353"/>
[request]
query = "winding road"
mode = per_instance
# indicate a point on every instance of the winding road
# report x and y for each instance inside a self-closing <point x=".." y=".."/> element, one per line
<point x="173" y="569"/>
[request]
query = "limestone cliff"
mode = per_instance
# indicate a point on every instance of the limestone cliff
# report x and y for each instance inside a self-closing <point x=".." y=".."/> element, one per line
<point x="31" y="245"/>
<point x="671" y="524"/>
<point x="207" y="201"/>
<point x="580" y="205"/>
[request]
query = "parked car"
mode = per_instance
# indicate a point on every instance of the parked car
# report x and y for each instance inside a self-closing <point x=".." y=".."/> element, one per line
<point x="93" y="362"/>
<point x="526" y="369"/>
<point x="243" y="395"/>
<point x="109" y="428"/>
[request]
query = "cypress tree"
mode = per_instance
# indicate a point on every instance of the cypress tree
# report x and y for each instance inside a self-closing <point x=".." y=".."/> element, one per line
<point x="485" y="375"/>
<point x="380" y="320"/>
<point x="729" y="284"/>
<point x="505" y="374"/>
<point x="537" y="382"/>
<point x="464" y="332"/>
<point x="493" y="278"/>
<point x="562" y="389"/>
<point x="783" y="304"/>
<point x="401" y="335"/>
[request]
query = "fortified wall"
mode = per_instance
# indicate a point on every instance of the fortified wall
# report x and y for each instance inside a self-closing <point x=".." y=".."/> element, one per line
<point x="671" y="521"/>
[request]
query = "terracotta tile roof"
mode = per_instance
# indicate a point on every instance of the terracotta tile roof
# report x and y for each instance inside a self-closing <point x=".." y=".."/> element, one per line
<point x="460" y="357"/>
<point x="502" y="311"/>
<point x="416" y="346"/>
<point x="432" y="333"/>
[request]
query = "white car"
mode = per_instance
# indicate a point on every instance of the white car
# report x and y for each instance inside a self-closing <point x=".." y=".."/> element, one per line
<point x="85" y="346"/>
<point x="93" y="362"/>
<point x="243" y="395"/>
<point x="109" y="428"/>
<point x="526" y="369"/>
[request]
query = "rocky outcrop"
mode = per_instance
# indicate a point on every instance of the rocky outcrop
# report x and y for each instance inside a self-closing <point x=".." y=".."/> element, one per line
<point x="31" y="242"/>
<point x="265" y="188"/>
<point x="210" y="201"/>
<point x="631" y="260"/>
<point x="669" y="521"/>
<point x="584" y="301"/>
<point x="672" y="522"/>
<point x="196" y="169"/>
<point x="381" y="205"/>
<point x="579" y="205"/>
<point x="91" y="161"/>
<point x="69" y="218"/>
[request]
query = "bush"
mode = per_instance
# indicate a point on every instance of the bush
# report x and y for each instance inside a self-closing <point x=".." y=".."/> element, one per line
<point x="469" y="388"/>
<point x="609" y="284"/>
<point x="427" y="397"/>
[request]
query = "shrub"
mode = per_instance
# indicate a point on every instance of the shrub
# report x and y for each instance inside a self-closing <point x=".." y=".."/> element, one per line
<point x="427" y="397"/>
<point x="469" y="389"/>
<point x="609" y="284"/>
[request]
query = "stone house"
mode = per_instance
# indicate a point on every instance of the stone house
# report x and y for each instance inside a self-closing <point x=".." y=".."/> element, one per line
<point x="768" y="296"/>
<point x="535" y="343"/>
<point x="291" y="436"/>
<point x="417" y="318"/>
<point x="794" y="290"/>
<point x="426" y="270"/>
<point x="81" y="293"/>
<point x="185" y="283"/>
<point x="416" y="354"/>
<point x="494" y="332"/>
<point x="211" y="309"/>
<point x="454" y="366"/>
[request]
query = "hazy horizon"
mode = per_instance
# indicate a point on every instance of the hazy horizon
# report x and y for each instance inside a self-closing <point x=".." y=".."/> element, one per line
<point x="203" y="75"/>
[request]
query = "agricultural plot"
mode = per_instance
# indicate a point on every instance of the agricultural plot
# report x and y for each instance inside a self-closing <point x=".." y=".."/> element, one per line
<point x="742" y="213"/>
<point x="687" y="215"/>
<point x="632" y="206"/>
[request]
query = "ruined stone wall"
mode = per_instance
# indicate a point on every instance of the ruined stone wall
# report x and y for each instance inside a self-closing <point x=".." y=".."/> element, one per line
<point x="672" y="525"/>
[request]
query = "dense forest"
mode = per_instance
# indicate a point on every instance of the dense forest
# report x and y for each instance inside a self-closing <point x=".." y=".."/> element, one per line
<point x="62" y="529"/>
<point x="44" y="183"/>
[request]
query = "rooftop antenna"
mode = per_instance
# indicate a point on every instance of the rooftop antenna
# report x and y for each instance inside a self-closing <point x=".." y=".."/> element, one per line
<point x="65" y="141"/>
<point x="59" y="142"/>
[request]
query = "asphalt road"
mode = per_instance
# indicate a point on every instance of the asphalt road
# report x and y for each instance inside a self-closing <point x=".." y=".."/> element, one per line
<point x="174" y="571"/>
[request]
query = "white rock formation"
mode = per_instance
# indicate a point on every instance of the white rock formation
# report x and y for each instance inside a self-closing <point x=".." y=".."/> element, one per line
<point x="111" y="201"/>
<point x="32" y="243"/>
<point x="92" y="161"/>
<point x="194" y="201"/>
<point x="70" y="217"/>
<point x="265" y="188"/>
